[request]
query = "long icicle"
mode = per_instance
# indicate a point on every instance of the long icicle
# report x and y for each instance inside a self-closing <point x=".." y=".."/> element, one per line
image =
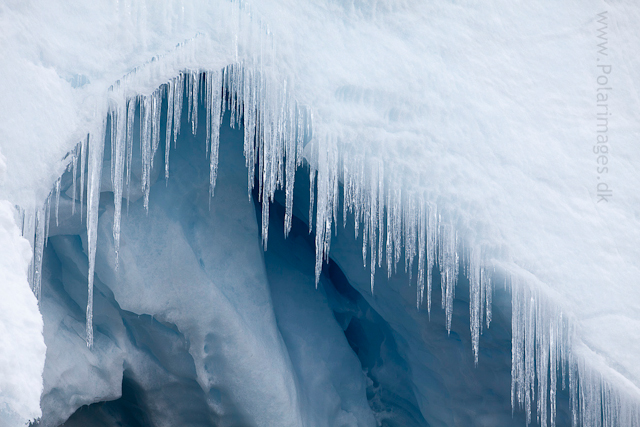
<point x="119" y="140"/>
<point x="96" y="154"/>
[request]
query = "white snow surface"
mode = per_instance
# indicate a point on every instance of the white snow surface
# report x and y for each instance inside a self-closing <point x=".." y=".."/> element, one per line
<point x="21" y="342"/>
<point x="487" y="109"/>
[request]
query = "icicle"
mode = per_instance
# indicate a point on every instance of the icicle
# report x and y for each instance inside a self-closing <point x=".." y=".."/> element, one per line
<point x="111" y="115"/>
<point x="301" y="117"/>
<point x="474" y="274"/>
<point x="38" y="248"/>
<point x="189" y="82"/>
<point x="358" y="195"/>
<point x="562" y="341"/>
<point x="83" y="168"/>
<point x="214" y="119"/>
<point x="517" y="348"/>
<point x="485" y="282"/>
<point x="146" y="119"/>
<point x="74" y="174"/>
<point x="573" y="388"/>
<point x="312" y="192"/>
<point x="119" y="141"/>
<point x="156" y="107"/>
<point x="291" y="161"/>
<point x="390" y="230"/>
<point x="397" y="227"/>
<point x="29" y="227"/>
<point x="194" y="85"/>
<point x="327" y="180"/>
<point x="207" y="101"/>
<point x="335" y="187"/>
<point x="410" y="234"/>
<point x="553" y="327"/>
<point x="167" y="145"/>
<point x="365" y="229"/>
<point x="422" y="252"/>
<point x="448" y="259"/>
<point x="432" y="227"/>
<point x="380" y="211"/>
<point x="250" y="117"/>
<point x="96" y="153"/>
<point x="131" y="115"/>
<point x="233" y="95"/>
<point x="373" y="220"/>
<point x="542" y="362"/>
<point x="529" y="356"/>
<point x="57" y="200"/>
<point x="47" y="218"/>
<point x="178" y="96"/>
<point x="347" y="188"/>
<point x="265" y="222"/>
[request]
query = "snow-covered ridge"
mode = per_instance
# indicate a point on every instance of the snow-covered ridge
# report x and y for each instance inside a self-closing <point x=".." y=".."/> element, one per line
<point x="384" y="205"/>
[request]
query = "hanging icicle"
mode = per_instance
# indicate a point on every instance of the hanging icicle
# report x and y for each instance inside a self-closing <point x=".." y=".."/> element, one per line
<point x="96" y="154"/>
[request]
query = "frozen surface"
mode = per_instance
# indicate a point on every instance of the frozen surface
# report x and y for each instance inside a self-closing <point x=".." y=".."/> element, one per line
<point x="487" y="111"/>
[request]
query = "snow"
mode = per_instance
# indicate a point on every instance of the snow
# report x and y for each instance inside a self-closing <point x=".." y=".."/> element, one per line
<point x="21" y="341"/>
<point x="472" y="123"/>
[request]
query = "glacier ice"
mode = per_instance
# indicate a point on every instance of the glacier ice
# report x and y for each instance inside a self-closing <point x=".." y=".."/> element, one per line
<point x="448" y="121"/>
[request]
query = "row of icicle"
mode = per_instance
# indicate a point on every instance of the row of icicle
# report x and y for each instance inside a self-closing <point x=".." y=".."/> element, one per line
<point x="396" y="227"/>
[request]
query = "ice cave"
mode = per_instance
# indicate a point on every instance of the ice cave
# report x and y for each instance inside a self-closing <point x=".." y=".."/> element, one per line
<point x="374" y="213"/>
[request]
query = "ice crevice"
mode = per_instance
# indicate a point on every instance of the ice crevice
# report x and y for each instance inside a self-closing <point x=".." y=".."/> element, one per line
<point x="399" y="229"/>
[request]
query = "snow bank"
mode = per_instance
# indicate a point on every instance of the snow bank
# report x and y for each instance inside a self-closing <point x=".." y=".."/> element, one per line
<point x="22" y="349"/>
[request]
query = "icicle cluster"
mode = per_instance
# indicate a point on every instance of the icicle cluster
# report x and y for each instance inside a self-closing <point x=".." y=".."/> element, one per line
<point x="275" y="130"/>
<point x="480" y="296"/>
<point x="539" y="346"/>
<point x="544" y="360"/>
<point x="396" y="226"/>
